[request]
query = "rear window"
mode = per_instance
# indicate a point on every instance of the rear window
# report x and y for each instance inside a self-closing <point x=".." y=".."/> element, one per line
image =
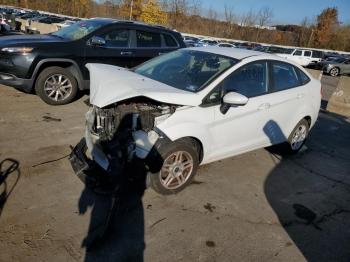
<point x="284" y="76"/>
<point x="169" y="41"/>
<point x="147" y="39"/>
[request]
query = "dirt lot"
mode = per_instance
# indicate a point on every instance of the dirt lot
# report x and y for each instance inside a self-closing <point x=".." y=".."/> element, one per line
<point x="253" y="207"/>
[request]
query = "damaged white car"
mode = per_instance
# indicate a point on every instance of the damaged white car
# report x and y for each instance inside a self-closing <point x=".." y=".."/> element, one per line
<point x="191" y="107"/>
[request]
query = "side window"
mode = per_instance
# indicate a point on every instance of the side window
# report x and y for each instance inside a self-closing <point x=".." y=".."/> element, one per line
<point x="116" y="38"/>
<point x="298" y="53"/>
<point x="169" y="41"/>
<point x="147" y="39"/>
<point x="307" y="53"/>
<point x="303" y="77"/>
<point x="249" y="80"/>
<point x="284" y="76"/>
<point x="317" y="54"/>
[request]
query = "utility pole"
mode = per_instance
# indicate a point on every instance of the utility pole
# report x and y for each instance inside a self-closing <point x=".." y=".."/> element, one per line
<point x="131" y="6"/>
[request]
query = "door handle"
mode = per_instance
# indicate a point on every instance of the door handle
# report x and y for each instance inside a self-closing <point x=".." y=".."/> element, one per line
<point x="300" y="96"/>
<point x="161" y="53"/>
<point x="264" y="106"/>
<point x="126" y="53"/>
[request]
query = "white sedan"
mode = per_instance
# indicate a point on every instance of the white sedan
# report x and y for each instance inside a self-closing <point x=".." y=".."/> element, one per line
<point x="192" y="107"/>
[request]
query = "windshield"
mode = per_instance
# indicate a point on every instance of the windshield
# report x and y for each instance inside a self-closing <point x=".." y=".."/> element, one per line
<point x="186" y="69"/>
<point x="78" y="30"/>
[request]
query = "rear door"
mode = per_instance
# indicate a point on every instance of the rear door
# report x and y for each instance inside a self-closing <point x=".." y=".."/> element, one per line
<point x="115" y="51"/>
<point x="286" y="96"/>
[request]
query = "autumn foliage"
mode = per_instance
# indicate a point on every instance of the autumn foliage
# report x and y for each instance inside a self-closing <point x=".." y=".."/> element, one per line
<point x="188" y="16"/>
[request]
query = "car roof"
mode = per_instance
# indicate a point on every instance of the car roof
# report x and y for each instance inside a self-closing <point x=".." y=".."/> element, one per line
<point x="236" y="53"/>
<point x="115" y="21"/>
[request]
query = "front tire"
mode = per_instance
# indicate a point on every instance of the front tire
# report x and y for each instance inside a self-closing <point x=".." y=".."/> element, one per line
<point x="179" y="163"/>
<point x="56" y="86"/>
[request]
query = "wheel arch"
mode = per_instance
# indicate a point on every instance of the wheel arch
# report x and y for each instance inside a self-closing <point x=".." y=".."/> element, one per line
<point x="69" y="64"/>
<point x="198" y="144"/>
<point x="201" y="138"/>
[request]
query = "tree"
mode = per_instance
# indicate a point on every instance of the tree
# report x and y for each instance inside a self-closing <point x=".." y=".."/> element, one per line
<point x="152" y="13"/>
<point x="131" y="9"/>
<point x="230" y="19"/>
<point x="327" y="23"/>
<point x="264" y="17"/>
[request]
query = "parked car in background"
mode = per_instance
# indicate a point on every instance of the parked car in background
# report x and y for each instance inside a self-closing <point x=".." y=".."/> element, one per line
<point x="304" y="57"/>
<point x="225" y="45"/>
<point x="335" y="67"/>
<point x="51" y="20"/>
<point x="190" y="43"/>
<point x="53" y="65"/>
<point x="65" y="24"/>
<point x="207" y="42"/>
<point x="190" y="38"/>
<point x="248" y="45"/>
<point x="190" y="107"/>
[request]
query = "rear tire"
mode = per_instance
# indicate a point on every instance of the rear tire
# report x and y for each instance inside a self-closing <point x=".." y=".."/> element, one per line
<point x="177" y="163"/>
<point x="298" y="137"/>
<point x="56" y="86"/>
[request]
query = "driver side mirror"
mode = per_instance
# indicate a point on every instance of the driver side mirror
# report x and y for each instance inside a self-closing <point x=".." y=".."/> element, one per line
<point x="232" y="99"/>
<point x="97" y="41"/>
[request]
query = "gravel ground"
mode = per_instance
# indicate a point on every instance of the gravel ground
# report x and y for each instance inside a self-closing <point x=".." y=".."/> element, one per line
<point x="253" y="207"/>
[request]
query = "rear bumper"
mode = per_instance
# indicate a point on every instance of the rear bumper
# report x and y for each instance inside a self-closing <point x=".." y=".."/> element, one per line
<point x="18" y="83"/>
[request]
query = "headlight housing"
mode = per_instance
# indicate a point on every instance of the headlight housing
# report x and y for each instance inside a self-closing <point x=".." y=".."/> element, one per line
<point x="21" y="50"/>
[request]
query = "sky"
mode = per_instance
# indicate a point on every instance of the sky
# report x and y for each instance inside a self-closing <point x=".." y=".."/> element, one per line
<point x="284" y="11"/>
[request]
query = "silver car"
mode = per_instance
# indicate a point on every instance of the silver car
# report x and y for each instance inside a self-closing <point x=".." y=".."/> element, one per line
<point x="339" y="66"/>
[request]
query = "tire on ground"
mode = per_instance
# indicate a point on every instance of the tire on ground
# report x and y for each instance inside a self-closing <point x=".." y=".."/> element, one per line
<point x="45" y="75"/>
<point x="156" y="161"/>
<point x="289" y="148"/>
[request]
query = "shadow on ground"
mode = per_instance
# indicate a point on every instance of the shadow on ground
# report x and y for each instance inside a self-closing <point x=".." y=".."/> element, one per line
<point x="310" y="192"/>
<point x="116" y="230"/>
<point x="8" y="167"/>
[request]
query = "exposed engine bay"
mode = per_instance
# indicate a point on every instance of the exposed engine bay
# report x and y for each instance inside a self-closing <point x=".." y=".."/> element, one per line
<point x="125" y="129"/>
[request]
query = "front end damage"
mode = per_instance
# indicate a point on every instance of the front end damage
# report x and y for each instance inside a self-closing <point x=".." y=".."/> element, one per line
<point x="118" y="136"/>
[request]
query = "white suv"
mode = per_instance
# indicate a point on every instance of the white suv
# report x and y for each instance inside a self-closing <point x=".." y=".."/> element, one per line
<point x="303" y="57"/>
<point x="191" y="107"/>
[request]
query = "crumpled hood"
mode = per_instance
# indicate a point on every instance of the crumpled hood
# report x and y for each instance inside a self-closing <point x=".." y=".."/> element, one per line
<point x="110" y="84"/>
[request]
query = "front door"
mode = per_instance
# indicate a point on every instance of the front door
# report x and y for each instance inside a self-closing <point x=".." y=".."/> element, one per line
<point x="242" y="128"/>
<point x="115" y="51"/>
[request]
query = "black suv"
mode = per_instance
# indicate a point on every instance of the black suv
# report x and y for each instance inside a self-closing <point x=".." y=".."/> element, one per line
<point x="54" y="65"/>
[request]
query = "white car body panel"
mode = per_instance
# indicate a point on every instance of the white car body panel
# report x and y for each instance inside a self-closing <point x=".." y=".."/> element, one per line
<point x="264" y="120"/>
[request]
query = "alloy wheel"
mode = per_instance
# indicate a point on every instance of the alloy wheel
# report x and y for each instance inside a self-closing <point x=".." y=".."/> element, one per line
<point x="176" y="169"/>
<point x="58" y="87"/>
<point x="299" y="137"/>
<point x="334" y="72"/>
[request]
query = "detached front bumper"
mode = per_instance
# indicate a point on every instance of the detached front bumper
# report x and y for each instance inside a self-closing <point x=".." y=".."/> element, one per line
<point x="86" y="169"/>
